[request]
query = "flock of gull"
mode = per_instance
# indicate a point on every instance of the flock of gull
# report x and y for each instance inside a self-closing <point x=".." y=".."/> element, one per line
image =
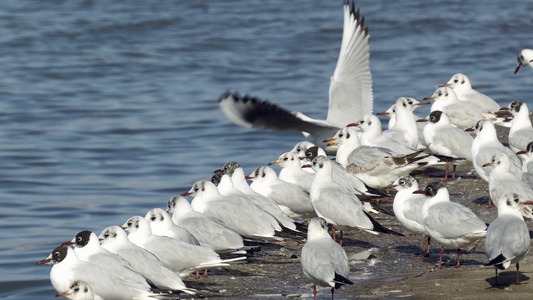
<point x="148" y="256"/>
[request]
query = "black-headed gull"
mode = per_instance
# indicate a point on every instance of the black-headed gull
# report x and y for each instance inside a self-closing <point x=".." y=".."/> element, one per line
<point x="525" y="57"/>
<point x="464" y="91"/>
<point x="408" y="208"/>
<point x="115" y="240"/>
<point x="443" y="138"/>
<point x="208" y="230"/>
<point x="161" y="224"/>
<point x="485" y="145"/>
<point x="451" y="224"/>
<point x="377" y="167"/>
<point x="521" y="131"/>
<point x="324" y="261"/>
<point x="291" y="170"/>
<point x="508" y="240"/>
<point x="373" y="136"/>
<point x="503" y="181"/>
<point x="79" y="290"/>
<point x="527" y="164"/>
<point x="405" y="128"/>
<point x="340" y="208"/>
<point x="180" y="257"/>
<point x="225" y="186"/>
<point x="87" y="247"/>
<point x="248" y="220"/>
<point x="350" y="91"/>
<point x="67" y="268"/>
<point x="464" y="114"/>
<point x="292" y="199"/>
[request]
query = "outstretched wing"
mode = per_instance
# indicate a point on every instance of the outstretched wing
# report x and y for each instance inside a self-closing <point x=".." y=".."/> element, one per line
<point x="350" y="90"/>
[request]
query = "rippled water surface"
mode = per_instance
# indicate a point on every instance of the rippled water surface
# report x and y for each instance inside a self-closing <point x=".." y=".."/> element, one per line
<point x="108" y="108"/>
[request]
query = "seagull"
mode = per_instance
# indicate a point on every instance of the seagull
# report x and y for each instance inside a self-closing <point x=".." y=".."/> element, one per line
<point x="464" y="91"/>
<point x="350" y="91"/>
<point x="291" y="170"/>
<point x="340" y="208"/>
<point x="443" y="138"/>
<point x="485" y="146"/>
<point x="527" y="165"/>
<point x="521" y="131"/>
<point x="226" y="187"/>
<point x="449" y="223"/>
<point x="464" y="114"/>
<point x="208" y="230"/>
<point x="178" y="256"/>
<point x="525" y="57"/>
<point x="67" y="268"/>
<point x="324" y="261"/>
<point x="373" y="136"/>
<point x="412" y="105"/>
<point x="508" y="239"/>
<point x="115" y="239"/>
<point x="248" y="220"/>
<point x="161" y="224"/>
<point x="377" y="167"/>
<point x="292" y="199"/>
<point x="408" y="208"/>
<point x="87" y="247"/>
<point x="405" y="128"/>
<point x="503" y="181"/>
<point x="79" y="290"/>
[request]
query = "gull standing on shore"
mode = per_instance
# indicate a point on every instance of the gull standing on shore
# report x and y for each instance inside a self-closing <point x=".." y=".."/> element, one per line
<point x="324" y="261"/>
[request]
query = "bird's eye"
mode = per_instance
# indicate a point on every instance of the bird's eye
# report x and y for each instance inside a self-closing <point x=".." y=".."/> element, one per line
<point x="106" y="235"/>
<point x="78" y="239"/>
<point x="285" y="158"/>
<point x="439" y="94"/>
<point x="456" y="80"/>
<point x="153" y="218"/>
<point x="76" y="290"/>
<point x="446" y="95"/>
<point x="341" y="135"/>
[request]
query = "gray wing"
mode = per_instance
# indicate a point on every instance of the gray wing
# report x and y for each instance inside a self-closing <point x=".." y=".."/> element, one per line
<point x="350" y="90"/>
<point x="453" y="220"/>
<point x="322" y="258"/>
<point x="507" y="235"/>
<point x="341" y="207"/>
<point x="215" y="234"/>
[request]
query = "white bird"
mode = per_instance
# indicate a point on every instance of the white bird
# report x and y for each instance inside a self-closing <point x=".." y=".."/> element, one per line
<point x="373" y="136"/>
<point x="464" y="114"/>
<point x="408" y="208"/>
<point x="180" y="257"/>
<point x="443" y="138"/>
<point x="508" y="239"/>
<point x="324" y="261"/>
<point x="340" y="208"/>
<point x="503" y="181"/>
<point x="449" y="223"/>
<point x="350" y="91"/>
<point x="521" y="131"/>
<point x="248" y="219"/>
<point x="67" y="268"/>
<point x="161" y="224"/>
<point x="115" y="240"/>
<point x="226" y="188"/>
<point x="525" y="57"/>
<point x="412" y="105"/>
<point x="291" y="170"/>
<point x="464" y="91"/>
<point x="208" y="230"/>
<point x="292" y="199"/>
<point x="300" y="148"/>
<point x="527" y="164"/>
<point x="405" y="129"/>
<point x="485" y="145"/>
<point x="79" y="290"/>
<point x="87" y="247"/>
<point x="376" y="166"/>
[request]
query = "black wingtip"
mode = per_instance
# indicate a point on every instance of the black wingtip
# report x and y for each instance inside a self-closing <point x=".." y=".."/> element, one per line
<point x="340" y="280"/>
<point x="497" y="262"/>
<point x="380" y="228"/>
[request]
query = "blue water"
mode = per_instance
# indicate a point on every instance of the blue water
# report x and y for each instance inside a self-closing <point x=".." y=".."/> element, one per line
<point x="108" y="108"/>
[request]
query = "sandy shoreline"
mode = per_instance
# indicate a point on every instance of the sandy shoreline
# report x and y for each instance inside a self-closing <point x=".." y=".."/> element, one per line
<point x="381" y="266"/>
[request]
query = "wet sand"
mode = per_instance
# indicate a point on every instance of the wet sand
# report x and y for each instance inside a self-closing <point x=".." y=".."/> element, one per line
<point x="381" y="266"/>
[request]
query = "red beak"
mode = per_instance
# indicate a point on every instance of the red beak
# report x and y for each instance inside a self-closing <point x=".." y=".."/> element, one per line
<point x="419" y="192"/>
<point x="186" y="194"/>
<point x="44" y="261"/>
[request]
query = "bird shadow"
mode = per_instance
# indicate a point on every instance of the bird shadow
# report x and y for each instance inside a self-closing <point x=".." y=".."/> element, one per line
<point x="506" y="280"/>
<point x="482" y="201"/>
